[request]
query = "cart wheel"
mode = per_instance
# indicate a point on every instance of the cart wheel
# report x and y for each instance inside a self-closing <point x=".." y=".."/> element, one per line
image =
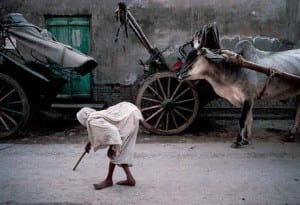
<point x="14" y="106"/>
<point x="168" y="106"/>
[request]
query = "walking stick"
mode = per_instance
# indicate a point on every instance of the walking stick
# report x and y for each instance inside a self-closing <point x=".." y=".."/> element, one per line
<point x="77" y="163"/>
<point x="79" y="160"/>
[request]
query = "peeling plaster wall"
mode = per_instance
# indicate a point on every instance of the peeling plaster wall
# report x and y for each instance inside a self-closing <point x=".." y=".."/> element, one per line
<point x="271" y="24"/>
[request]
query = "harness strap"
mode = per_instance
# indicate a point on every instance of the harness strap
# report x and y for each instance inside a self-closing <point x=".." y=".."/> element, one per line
<point x="271" y="75"/>
<point x="188" y="67"/>
<point x="117" y="34"/>
<point x="121" y="16"/>
<point x="192" y="63"/>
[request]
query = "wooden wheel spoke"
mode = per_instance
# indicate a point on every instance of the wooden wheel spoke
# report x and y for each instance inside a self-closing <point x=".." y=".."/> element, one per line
<point x="7" y="94"/>
<point x="159" y="119"/>
<point x="184" y="108"/>
<point x="184" y="101"/>
<point x="169" y="87"/>
<point x="154" y="91"/>
<point x="4" y="123"/>
<point x="10" y="110"/>
<point x="181" y="94"/>
<point x="162" y="89"/>
<point x="150" y="99"/>
<point x="180" y="114"/>
<point x="174" y="119"/>
<point x="154" y="114"/>
<point x="167" y="120"/>
<point x="151" y="108"/>
<point x="9" y="118"/>
<point x="176" y="90"/>
<point x="14" y="106"/>
<point x="12" y="102"/>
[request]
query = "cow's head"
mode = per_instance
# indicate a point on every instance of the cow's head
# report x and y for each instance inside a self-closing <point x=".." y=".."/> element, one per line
<point x="207" y="36"/>
<point x="198" y="64"/>
<point x="199" y="57"/>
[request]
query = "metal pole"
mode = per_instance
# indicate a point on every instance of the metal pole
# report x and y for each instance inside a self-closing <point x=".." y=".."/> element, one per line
<point x="138" y="29"/>
<point x="138" y="36"/>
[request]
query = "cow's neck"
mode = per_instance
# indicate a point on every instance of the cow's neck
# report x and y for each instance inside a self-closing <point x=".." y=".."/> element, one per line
<point x="224" y="85"/>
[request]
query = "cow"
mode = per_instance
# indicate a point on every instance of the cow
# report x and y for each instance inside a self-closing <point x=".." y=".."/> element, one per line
<point x="241" y="86"/>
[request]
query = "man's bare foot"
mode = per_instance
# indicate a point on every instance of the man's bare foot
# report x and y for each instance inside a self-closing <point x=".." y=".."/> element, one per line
<point x="127" y="182"/>
<point x="103" y="184"/>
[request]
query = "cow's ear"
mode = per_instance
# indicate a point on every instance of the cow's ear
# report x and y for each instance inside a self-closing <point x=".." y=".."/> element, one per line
<point x="212" y="56"/>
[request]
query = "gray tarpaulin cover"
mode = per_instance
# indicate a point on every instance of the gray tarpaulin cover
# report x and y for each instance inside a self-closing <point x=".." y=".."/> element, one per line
<point x="41" y="41"/>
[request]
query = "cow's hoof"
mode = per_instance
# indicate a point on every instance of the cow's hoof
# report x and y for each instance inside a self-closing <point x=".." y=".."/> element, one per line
<point x="236" y="145"/>
<point x="245" y="142"/>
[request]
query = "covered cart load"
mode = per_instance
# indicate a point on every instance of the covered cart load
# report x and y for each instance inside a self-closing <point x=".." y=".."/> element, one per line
<point x="31" y="67"/>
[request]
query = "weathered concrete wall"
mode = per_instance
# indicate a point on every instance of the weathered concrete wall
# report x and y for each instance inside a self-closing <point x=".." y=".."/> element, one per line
<point x="272" y="24"/>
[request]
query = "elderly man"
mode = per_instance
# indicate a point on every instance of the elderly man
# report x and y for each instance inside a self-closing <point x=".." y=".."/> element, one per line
<point x="116" y="128"/>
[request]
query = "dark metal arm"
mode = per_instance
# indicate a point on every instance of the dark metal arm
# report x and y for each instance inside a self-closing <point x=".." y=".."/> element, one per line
<point x="125" y="17"/>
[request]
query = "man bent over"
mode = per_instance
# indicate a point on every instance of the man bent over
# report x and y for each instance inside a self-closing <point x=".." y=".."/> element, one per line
<point x="115" y="128"/>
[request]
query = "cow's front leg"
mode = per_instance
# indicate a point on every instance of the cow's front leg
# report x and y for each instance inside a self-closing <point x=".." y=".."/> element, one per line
<point x="292" y="135"/>
<point x="249" y="123"/>
<point x="245" y="125"/>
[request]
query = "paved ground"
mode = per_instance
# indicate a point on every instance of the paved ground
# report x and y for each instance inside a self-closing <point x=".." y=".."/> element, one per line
<point x="195" y="168"/>
<point x="203" y="173"/>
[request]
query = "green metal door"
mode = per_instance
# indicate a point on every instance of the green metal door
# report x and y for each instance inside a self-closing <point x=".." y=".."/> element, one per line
<point x="73" y="31"/>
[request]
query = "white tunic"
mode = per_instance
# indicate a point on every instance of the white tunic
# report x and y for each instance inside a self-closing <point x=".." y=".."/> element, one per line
<point x="118" y="126"/>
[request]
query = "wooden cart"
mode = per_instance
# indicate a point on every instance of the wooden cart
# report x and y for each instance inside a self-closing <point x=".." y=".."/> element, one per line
<point x="31" y="67"/>
<point x="168" y="106"/>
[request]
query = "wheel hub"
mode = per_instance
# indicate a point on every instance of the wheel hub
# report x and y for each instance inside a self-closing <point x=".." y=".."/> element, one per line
<point x="168" y="104"/>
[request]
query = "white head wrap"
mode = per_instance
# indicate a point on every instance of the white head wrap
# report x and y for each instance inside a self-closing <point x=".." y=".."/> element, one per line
<point x="84" y="114"/>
